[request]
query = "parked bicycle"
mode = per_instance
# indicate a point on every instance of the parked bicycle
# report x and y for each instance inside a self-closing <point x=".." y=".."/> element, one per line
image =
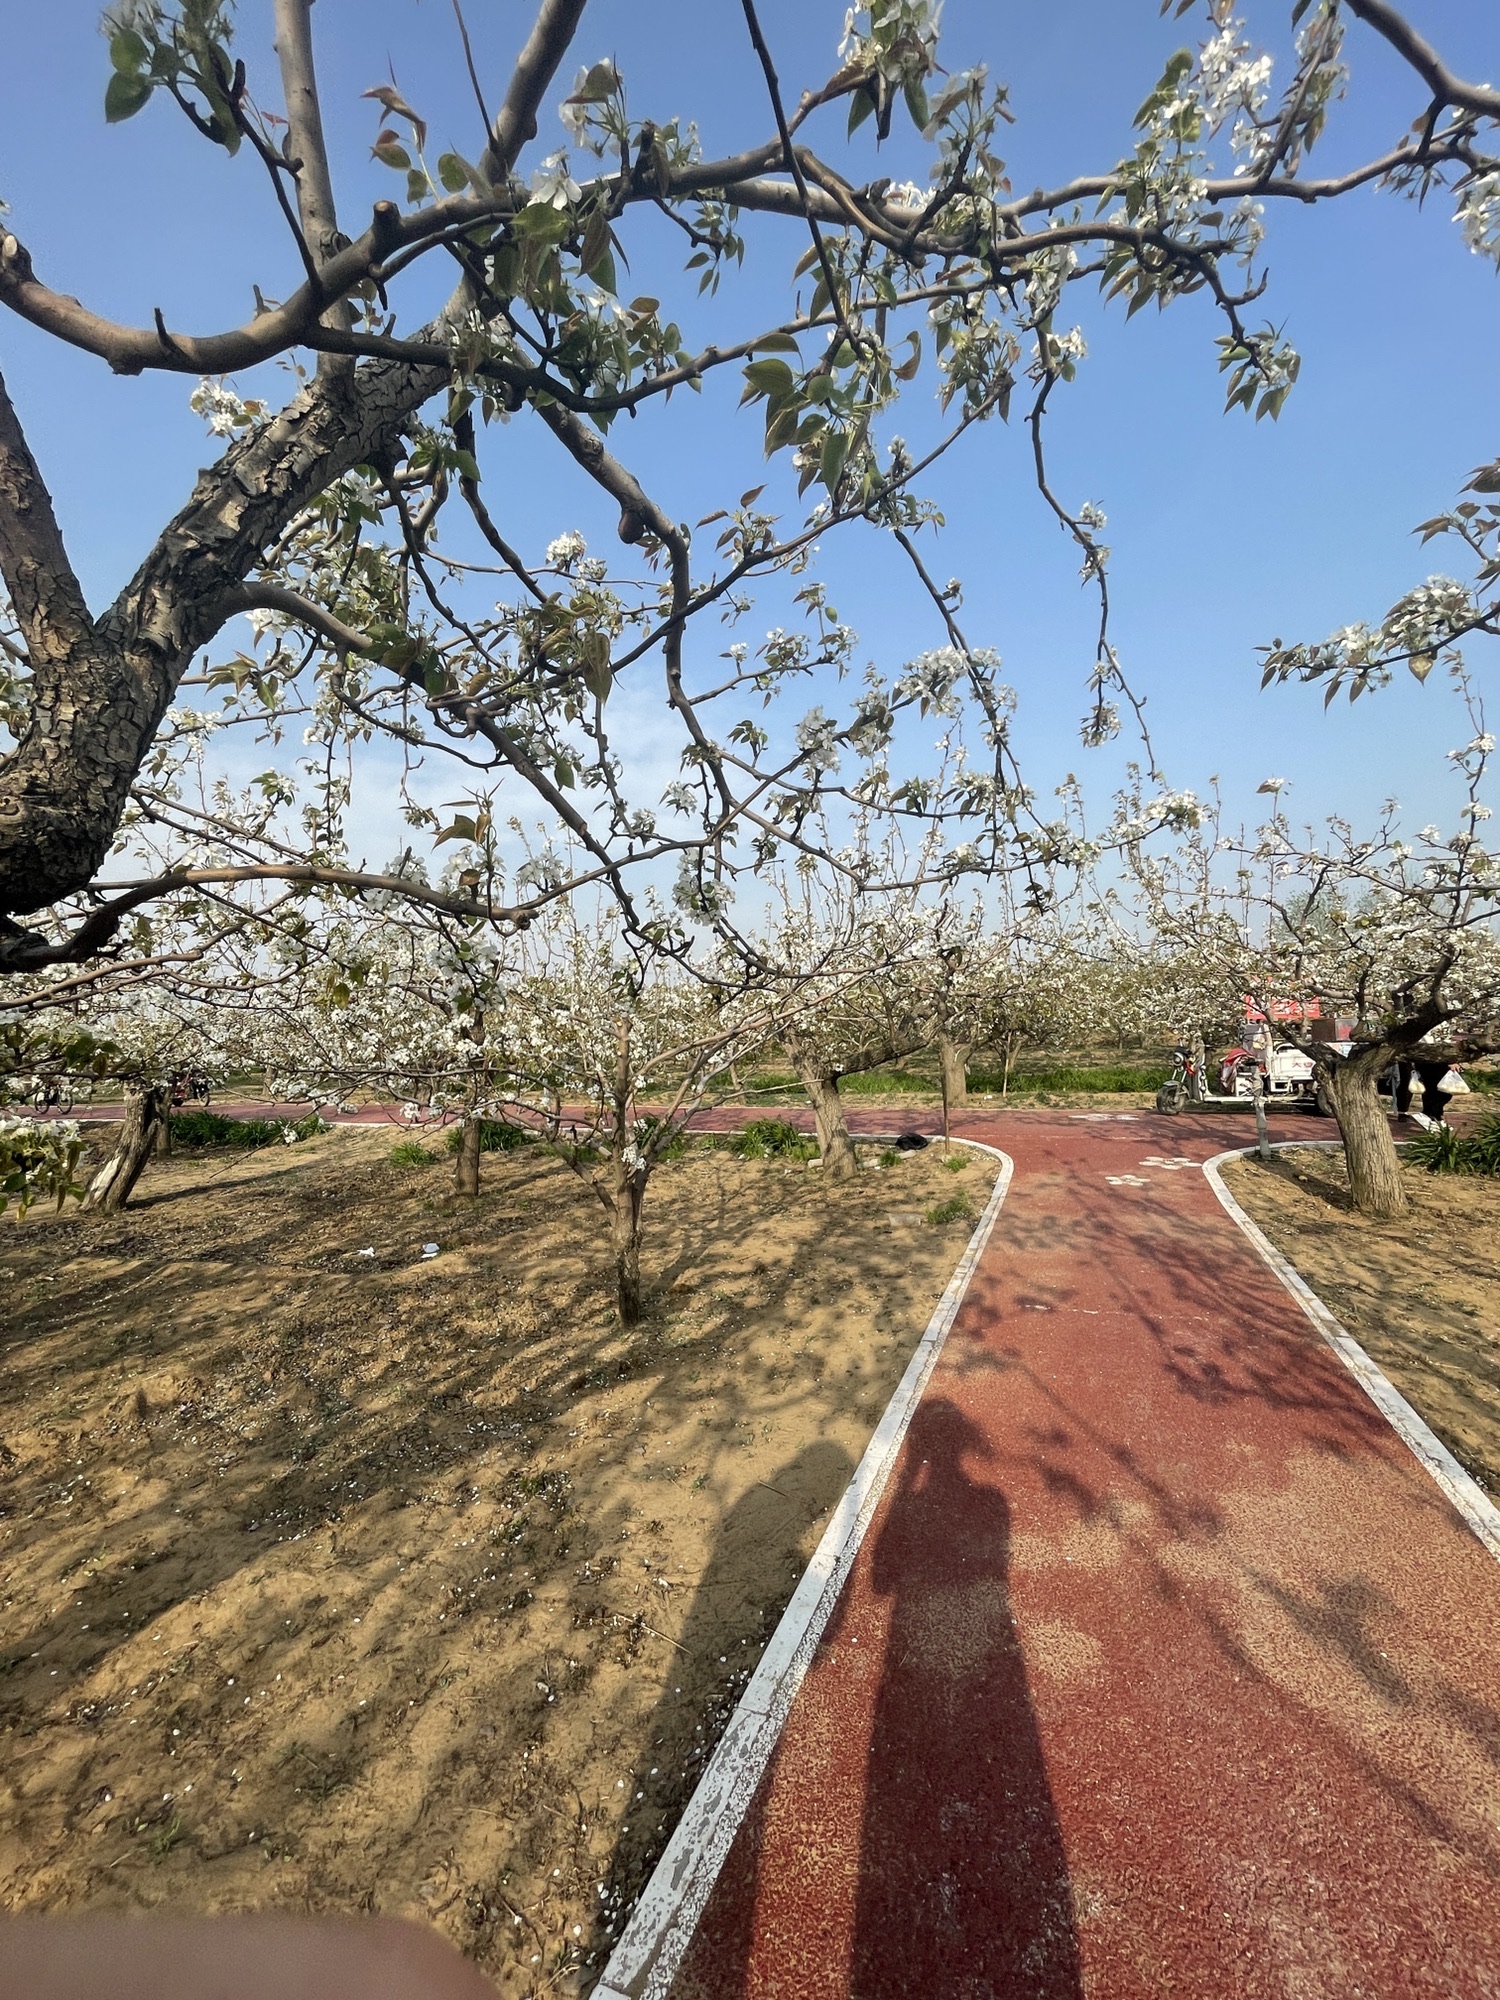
<point x="51" y="1098"/>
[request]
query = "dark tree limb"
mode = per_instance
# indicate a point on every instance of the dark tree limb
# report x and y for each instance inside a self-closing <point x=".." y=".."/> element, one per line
<point x="1482" y="98"/>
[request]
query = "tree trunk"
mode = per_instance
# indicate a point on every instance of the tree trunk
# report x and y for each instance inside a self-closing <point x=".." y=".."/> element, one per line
<point x="834" y="1142"/>
<point x="625" y="1238"/>
<point x="1262" y="1136"/>
<point x="162" y="1146"/>
<point x="466" y="1164"/>
<point x="111" y="1187"/>
<point x="1374" y="1167"/>
<point x="1010" y="1051"/>
<point x="954" y="1059"/>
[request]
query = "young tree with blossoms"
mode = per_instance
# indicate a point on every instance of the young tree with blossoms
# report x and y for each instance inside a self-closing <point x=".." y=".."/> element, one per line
<point x="331" y="519"/>
<point x="853" y="980"/>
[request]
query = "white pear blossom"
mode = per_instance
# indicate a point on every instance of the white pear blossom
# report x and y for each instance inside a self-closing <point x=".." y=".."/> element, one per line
<point x="225" y="413"/>
<point x="1478" y="215"/>
<point x="565" y="549"/>
<point x="552" y="185"/>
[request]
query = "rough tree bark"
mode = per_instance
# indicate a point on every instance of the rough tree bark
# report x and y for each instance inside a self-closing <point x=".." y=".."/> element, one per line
<point x="466" y="1164"/>
<point x="953" y="1060"/>
<point x="1374" y="1166"/>
<point x="1011" y="1044"/>
<point x="834" y="1142"/>
<point x="628" y="1194"/>
<point x="111" y="1187"/>
<point x="630" y="1169"/>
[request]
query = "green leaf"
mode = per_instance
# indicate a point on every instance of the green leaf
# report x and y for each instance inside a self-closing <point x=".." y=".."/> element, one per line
<point x="916" y="103"/>
<point x="861" y="105"/>
<point x="1177" y="68"/>
<point x="451" y="173"/>
<point x="390" y="154"/>
<point x="598" y="86"/>
<point x="597" y="675"/>
<point x="124" y="97"/>
<point x="128" y="51"/>
<point x="781" y="427"/>
<point x="778" y="343"/>
<point x="771" y="379"/>
<point x="835" y="451"/>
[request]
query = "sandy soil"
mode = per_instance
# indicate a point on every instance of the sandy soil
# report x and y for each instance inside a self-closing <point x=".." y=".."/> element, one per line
<point x="1422" y="1296"/>
<point x="350" y="1583"/>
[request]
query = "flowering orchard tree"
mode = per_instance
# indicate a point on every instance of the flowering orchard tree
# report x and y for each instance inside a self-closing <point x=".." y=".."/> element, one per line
<point x="329" y="520"/>
<point x="1400" y="934"/>
<point x="154" y="1037"/>
<point x="1005" y="976"/>
<point x="404" y="1002"/>
<point x="565" y="1030"/>
<point x="852" y="981"/>
<point x="596" y="1024"/>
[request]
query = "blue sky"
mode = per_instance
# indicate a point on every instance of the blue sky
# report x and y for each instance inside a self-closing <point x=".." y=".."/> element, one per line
<point x="1225" y="534"/>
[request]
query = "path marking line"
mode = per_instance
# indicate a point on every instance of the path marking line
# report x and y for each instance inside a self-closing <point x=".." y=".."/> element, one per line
<point x="1464" y="1492"/>
<point x="651" y="1947"/>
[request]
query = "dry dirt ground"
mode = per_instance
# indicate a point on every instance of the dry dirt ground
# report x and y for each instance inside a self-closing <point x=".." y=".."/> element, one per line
<point x="1422" y="1296"/>
<point x="335" y="1582"/>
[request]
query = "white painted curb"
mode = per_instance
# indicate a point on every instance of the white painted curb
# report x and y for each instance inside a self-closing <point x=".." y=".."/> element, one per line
<point x="1477" y="1509"/>
<point x="649" y="1950"/>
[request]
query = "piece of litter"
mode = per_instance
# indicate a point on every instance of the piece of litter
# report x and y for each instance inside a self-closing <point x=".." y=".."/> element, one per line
<point x="367" y="1253"/>
<point x="429" y="1250"/>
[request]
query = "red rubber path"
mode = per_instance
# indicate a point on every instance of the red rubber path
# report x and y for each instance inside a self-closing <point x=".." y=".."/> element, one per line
<point x="1164" y="1669"/>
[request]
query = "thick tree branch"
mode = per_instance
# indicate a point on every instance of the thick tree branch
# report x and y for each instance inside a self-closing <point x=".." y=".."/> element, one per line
<point x="100" y="925"/>
<point x="315" y="202"/>
<point x="288" y="604"/>
<point x="1425" y="60"/>
<point x="551" y="36"/>
<point x="44" y="592"/>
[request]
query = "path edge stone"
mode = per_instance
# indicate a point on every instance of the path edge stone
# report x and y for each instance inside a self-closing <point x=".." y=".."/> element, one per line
<point x="651" y="1947"/>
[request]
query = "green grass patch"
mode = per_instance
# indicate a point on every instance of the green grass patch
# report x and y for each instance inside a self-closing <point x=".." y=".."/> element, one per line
<point x="1444" y="1151"/>
<point x="1115" y="1077"/>
<point x="410" y="1153"/>
<point x="955" y="1209"/>
<point x="885" y="1083"/>
<point x="773" y="1139"/>
<point x="207" y="1128"/>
